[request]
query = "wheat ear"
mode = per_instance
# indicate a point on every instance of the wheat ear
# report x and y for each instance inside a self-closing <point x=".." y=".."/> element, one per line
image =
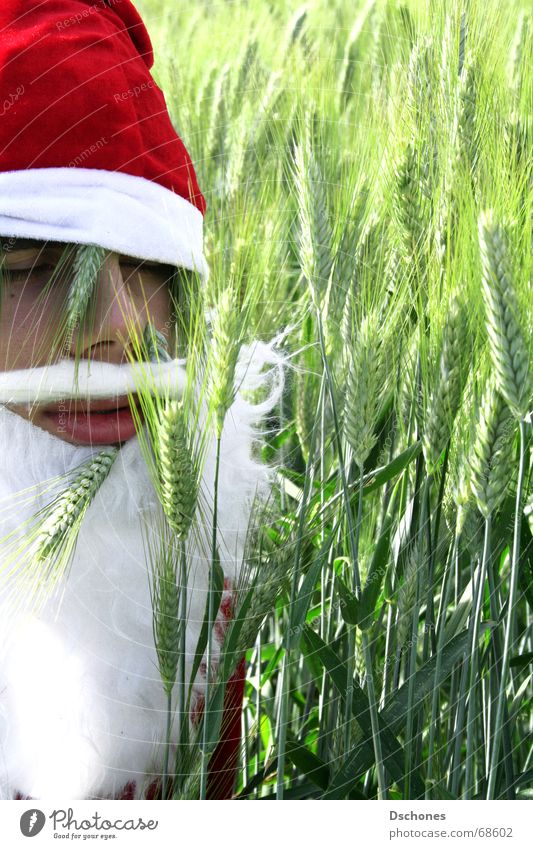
<point x="226" y="339"/>
<point x="177" y="474"/>
<point x="88" y="262"/>
<point x="71" y="504"/>
<point x="364" y="389"/>
<point x="491" y="457"/>
<point x="507" y="345"/>
<point x="446" y="396"/>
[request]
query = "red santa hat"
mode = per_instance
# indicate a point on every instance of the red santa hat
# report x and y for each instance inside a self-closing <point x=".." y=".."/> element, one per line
<point x="88" y="153"/>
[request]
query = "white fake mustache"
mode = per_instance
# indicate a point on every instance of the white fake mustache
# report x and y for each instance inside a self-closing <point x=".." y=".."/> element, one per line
<point x="47" y="384"/>
<point x="102" y="380"/>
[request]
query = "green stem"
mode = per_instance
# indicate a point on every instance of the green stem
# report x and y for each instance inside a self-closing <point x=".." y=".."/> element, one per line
<point x="411" y="670"/>
<point x="350" y="660"/>
<point x="438" y="663"/>
<point x="164" y="782"/>
<point x="509" y="625"/>
<point x="356" y="578"/>
<point x="210" y="619"/>
<point x="281" y="737"/>
<point x="469" y="790"/>
<point x="181" y="711"/>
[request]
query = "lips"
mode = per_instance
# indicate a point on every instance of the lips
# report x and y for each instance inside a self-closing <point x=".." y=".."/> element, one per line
<point x="102" y="422"/>
<point x="75" y="405"/>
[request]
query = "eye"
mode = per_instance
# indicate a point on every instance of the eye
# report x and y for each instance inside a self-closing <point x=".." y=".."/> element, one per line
<point x="159" y="270"/>
<point x="42" y="270"/>
<point x="140" y="265"/>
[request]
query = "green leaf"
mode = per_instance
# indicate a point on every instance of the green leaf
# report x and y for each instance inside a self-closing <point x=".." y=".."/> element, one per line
<point x="269" y="449"/>
<point x="269" y="770"/>
<point x="300" y="607"/>
<point x="524" y="778"/>
<point x="520" y="660"/>
<point x="349" y="605"/>
<point x="361" y="756"/>
<point x="378" y="568"/>
<point x="308" y="790"/>
<point x="526" y="562"/>
<point x="311" y="658"/>
<point x="439" y="791"/>
<point x="377" y="478"/>
<point x="233" y="633"/>
<point x="272" y="665"/>
<point x="383" y="474"/>
<point x="217" y="588"/>
<point x="213" y="717"/>
<point x="395" y="710"/>
<point x="308" y="763"/>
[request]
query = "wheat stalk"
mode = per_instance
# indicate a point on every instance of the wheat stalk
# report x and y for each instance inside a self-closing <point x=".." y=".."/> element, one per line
<point x="218" y="120"/>
<point x="156" y="344"/>
<point x="411" y="205"/>
<point x="446" y="396"/>
<point x="249" y="58"/>
<point x="295" y="28"/>
<point x="350" y="51"/>
<point x="407" y="596"/>
<point x="166" y="621"/>
<point x="305" y="399"/>
<point x="466" y="124"/>
<point x="226" y="340"/>
<point x="528" y="512"/>
<point x="518" y="50"/>
<point x="507" y="346"/>
<point x="491" y="457"/>
<point x="421" y="109"/>
<point x="237" y="145"/>
<point x="314" y="234"/>
<point x="88" y="262"/>
<point x="178" y="493"/>
<point x="344" y="274"/>
<point x="177" y="473"/>
<point x="364" y="389"/>
<point x="70" y="506"/>
<point x="419" y="89"/>
<point x="517" y="136"/>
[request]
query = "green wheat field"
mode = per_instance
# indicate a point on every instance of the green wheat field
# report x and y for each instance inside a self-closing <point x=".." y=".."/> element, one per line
<point x="367" y="171"/>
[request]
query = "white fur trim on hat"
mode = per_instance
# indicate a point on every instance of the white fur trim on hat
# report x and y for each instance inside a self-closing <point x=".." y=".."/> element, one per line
<point x="121" y="212"/>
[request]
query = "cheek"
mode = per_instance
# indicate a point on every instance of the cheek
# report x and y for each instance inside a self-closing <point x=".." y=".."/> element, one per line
<point x="159" y="307"/>
<point x="26" y="327"/>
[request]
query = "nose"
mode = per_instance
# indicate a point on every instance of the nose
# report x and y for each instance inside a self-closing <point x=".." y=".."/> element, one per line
<point x="106" y="332"/>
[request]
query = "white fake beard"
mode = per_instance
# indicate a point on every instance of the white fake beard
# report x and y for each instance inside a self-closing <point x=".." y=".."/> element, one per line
<point x="82" y="707"/>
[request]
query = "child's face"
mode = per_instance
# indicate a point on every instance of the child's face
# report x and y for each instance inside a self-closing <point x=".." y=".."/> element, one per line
<point x="128" y="291"/>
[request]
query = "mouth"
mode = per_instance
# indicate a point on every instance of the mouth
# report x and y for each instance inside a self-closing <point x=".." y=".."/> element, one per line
<point x="101" y="422"/>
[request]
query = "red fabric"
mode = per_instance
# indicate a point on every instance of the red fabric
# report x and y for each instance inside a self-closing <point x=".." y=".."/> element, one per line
<point x="225" y="760"/>
<point x="77" y="90"/>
